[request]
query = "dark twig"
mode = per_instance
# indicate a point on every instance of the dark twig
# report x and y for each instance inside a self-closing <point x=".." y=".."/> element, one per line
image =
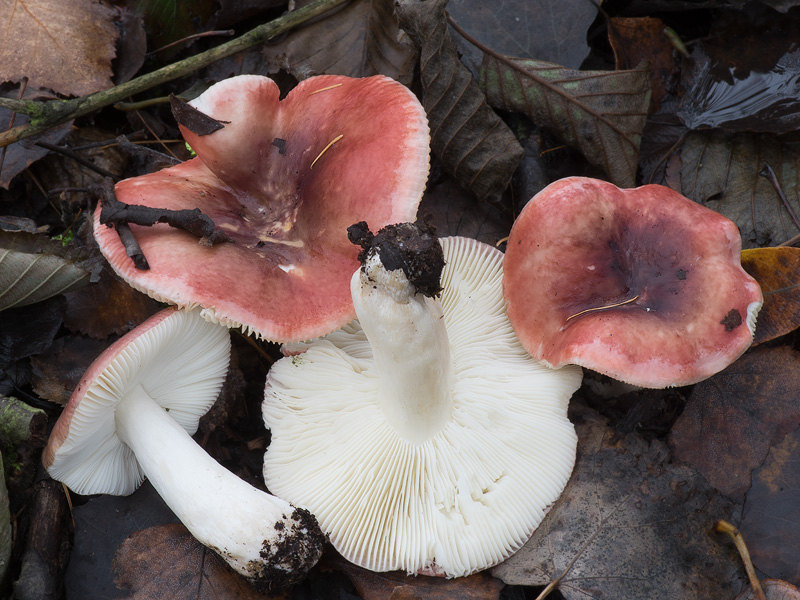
<point x="189" y="38"/>
<point x="769" y="174"/>
<point x="76" y="157"/>
<point x="140" y="150"/>
<point x="120" y="215"/>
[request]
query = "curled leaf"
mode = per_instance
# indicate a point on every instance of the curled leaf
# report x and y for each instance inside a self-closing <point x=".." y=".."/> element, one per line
<point x="33" y="268"/>
<point x="600" y="113"/>
<point x="776" y="270"/>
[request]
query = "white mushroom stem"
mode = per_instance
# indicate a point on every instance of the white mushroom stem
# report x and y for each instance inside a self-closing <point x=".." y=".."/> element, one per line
<point x="411" y="349"/>
<point x="241" y="523"/>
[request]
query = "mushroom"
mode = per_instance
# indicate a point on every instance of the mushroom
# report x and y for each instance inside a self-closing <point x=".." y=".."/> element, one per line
<point x="640" y="284"/>
<point x="132" y="416"/>
<point x="282" y="179"/>
<point x="422" y="436"/>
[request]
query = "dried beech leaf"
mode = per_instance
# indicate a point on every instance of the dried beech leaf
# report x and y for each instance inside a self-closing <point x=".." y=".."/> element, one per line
<point x="360" y="40"/>
<point x="474" y="145"/>
<point x="56" y="372"/>
<point x="33" y="268"/>
<point x="635" y="524"/>
<point x="167" y="562"/>
<point x="777" y="271"/>
<point x="399" y="586"/>
<point x="771" y="519"/>
<point x="731" y="419"/>
<point x="721" y="171"/>
<point x="63" y="45"/>
<point x="600" y="113"/>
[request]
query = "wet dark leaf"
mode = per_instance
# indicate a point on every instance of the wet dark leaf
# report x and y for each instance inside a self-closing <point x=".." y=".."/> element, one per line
<point x="35" y="31"/>
<point x="777" y="271"/>
<point x="471" y="141"/>
<point x="600" y="113"/>
<point x="167" y="562"/>
<point x="771" y="518"/>
<point x="635" y="525"/>
<point x="551" y="30"/>
<point x="731" y="419"/>
<point x="28" y="330"/>
<point x="757" y="101"/>
<point x="360" y="40"/>
<point x="167" y="21"/>
<point x="721" y="171"/>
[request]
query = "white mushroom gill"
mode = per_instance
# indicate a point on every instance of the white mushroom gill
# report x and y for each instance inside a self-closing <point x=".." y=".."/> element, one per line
<point x="422" y="436"/>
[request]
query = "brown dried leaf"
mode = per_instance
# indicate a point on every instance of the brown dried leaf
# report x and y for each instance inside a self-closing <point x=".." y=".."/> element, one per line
<point x="731" y="419"/>
<point x="771" y="518"/>
<point x="721" y="171"/>
<point x="635" y="524"/>
<point x="473" y="144"/>
<point x="399" y="586"/>
<point x="63" y="45"/>
<point x="108" y="307"/>
<point x="56" y="372"/>
<point x="360" y="40"/>
<point x="600" y="113"/>
<point x="639" y="39"/>
<point x="167" y="562"/>
<point x="777" y="271"/>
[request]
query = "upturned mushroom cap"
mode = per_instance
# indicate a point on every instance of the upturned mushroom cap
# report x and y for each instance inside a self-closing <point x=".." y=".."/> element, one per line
<point x="181" y="358"/>
<point x="271" y="180"/>
<point x="640" y="284"/>
<point x="453" y="501"/>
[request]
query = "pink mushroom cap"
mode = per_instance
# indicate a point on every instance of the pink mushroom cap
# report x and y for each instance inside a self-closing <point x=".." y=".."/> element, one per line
<point x="640" y="284"/>
<point x="283" y="179"/>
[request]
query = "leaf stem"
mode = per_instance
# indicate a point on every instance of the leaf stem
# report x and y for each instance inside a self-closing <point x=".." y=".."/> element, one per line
<point x="46" y="115"/>
<point x="738" y="540"/>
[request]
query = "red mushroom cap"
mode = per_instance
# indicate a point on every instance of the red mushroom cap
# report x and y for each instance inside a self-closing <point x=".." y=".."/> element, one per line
<point x="642" y="284"/>
<point x="267" y="180"/>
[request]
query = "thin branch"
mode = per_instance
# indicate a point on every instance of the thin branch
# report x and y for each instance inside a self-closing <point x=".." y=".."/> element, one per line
<point x="46" y="115"/>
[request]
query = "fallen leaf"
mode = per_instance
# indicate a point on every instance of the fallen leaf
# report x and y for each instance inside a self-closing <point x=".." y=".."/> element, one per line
<point x="63" y="45"/>
<point x="756" y="101"/>
<point x="20" y="156"/>
<point x="551" y="30"/>
<point x="731" y="419"/>
<point x="168" y="21"/>
<point x="33" y="267"/>
<point x="771" y="516"/>
<point x="399" y="586"/>
<point x="642" y="40"/>
<point x="600" y="113"/>
<point x="471" y="141"/>
<point x="453" y="212"/>
<point x="629" y="525"/>
<point x="108" y="307"/>
<point x="56" y="372"/>
<point x="777" y="271"/>
<point x="165" y="561"/>
<point x="721" y="171"/>
<point x="360" y="40"/>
